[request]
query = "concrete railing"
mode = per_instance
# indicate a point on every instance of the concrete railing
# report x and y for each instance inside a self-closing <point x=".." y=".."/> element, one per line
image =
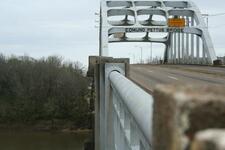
<point x="132" y="111"/>
<point x="189" y="117"/>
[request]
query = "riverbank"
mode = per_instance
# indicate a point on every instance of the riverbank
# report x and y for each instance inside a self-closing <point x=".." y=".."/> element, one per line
<point x="46" y="126"/>
<point x="41" y="140"/>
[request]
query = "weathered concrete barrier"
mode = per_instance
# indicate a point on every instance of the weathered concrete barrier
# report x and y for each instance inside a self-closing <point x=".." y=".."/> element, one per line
<point x="211" y="139"/>
<point x="182" y="111"/>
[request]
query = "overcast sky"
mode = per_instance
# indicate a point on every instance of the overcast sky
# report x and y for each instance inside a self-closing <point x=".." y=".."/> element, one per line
<point x="67" y="28"/>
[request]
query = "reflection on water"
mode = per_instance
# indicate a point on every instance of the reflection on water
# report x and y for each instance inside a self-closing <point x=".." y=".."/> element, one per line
<point x="27" y="140"/>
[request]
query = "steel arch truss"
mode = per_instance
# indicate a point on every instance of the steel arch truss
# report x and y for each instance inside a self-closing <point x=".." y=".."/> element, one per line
<point x="189" y="45"/>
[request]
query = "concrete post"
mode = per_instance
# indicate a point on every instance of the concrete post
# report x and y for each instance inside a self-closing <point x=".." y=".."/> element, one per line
<point x="180" y="112"/>
<point x="97" y="71"/>
<point x="209" y="140"/>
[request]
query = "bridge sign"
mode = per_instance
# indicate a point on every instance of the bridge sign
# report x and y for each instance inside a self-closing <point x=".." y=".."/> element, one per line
<point x="164" y="29"/>
<point x="176" y="22"/>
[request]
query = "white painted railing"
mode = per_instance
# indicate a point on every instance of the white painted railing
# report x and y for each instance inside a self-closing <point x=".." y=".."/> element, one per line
<point x="132" y="110"/>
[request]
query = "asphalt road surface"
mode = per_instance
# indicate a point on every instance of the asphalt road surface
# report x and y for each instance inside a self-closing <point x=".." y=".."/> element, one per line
<point x="148" y="76"/>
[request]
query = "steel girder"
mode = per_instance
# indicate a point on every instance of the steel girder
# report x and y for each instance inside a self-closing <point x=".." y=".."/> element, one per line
<point x="189" y="45"/>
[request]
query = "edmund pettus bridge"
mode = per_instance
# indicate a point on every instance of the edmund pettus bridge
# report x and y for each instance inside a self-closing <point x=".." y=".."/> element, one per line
<point x="178" y="105"/>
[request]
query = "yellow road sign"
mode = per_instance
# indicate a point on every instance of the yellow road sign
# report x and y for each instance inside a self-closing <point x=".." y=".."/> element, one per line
<point x="176" y="22"/>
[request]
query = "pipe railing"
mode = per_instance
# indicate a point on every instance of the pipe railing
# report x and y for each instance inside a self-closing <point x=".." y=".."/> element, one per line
<point x="132" y="114"/>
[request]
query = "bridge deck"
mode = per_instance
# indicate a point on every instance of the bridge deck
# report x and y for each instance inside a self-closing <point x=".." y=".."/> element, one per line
<point x="148" y="76"/>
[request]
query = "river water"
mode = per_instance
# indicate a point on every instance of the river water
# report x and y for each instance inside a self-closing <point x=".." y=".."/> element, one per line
<point x="29" y="140"/>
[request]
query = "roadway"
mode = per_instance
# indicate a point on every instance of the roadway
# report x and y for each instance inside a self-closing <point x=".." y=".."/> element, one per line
<point x="148" y="76"/>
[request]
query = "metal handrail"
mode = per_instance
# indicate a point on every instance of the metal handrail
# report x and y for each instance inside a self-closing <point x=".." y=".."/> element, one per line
<point x="138" y="102"/>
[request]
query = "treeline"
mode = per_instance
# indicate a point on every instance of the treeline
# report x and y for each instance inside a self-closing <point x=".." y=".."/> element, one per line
<point x="45" y="89"/>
